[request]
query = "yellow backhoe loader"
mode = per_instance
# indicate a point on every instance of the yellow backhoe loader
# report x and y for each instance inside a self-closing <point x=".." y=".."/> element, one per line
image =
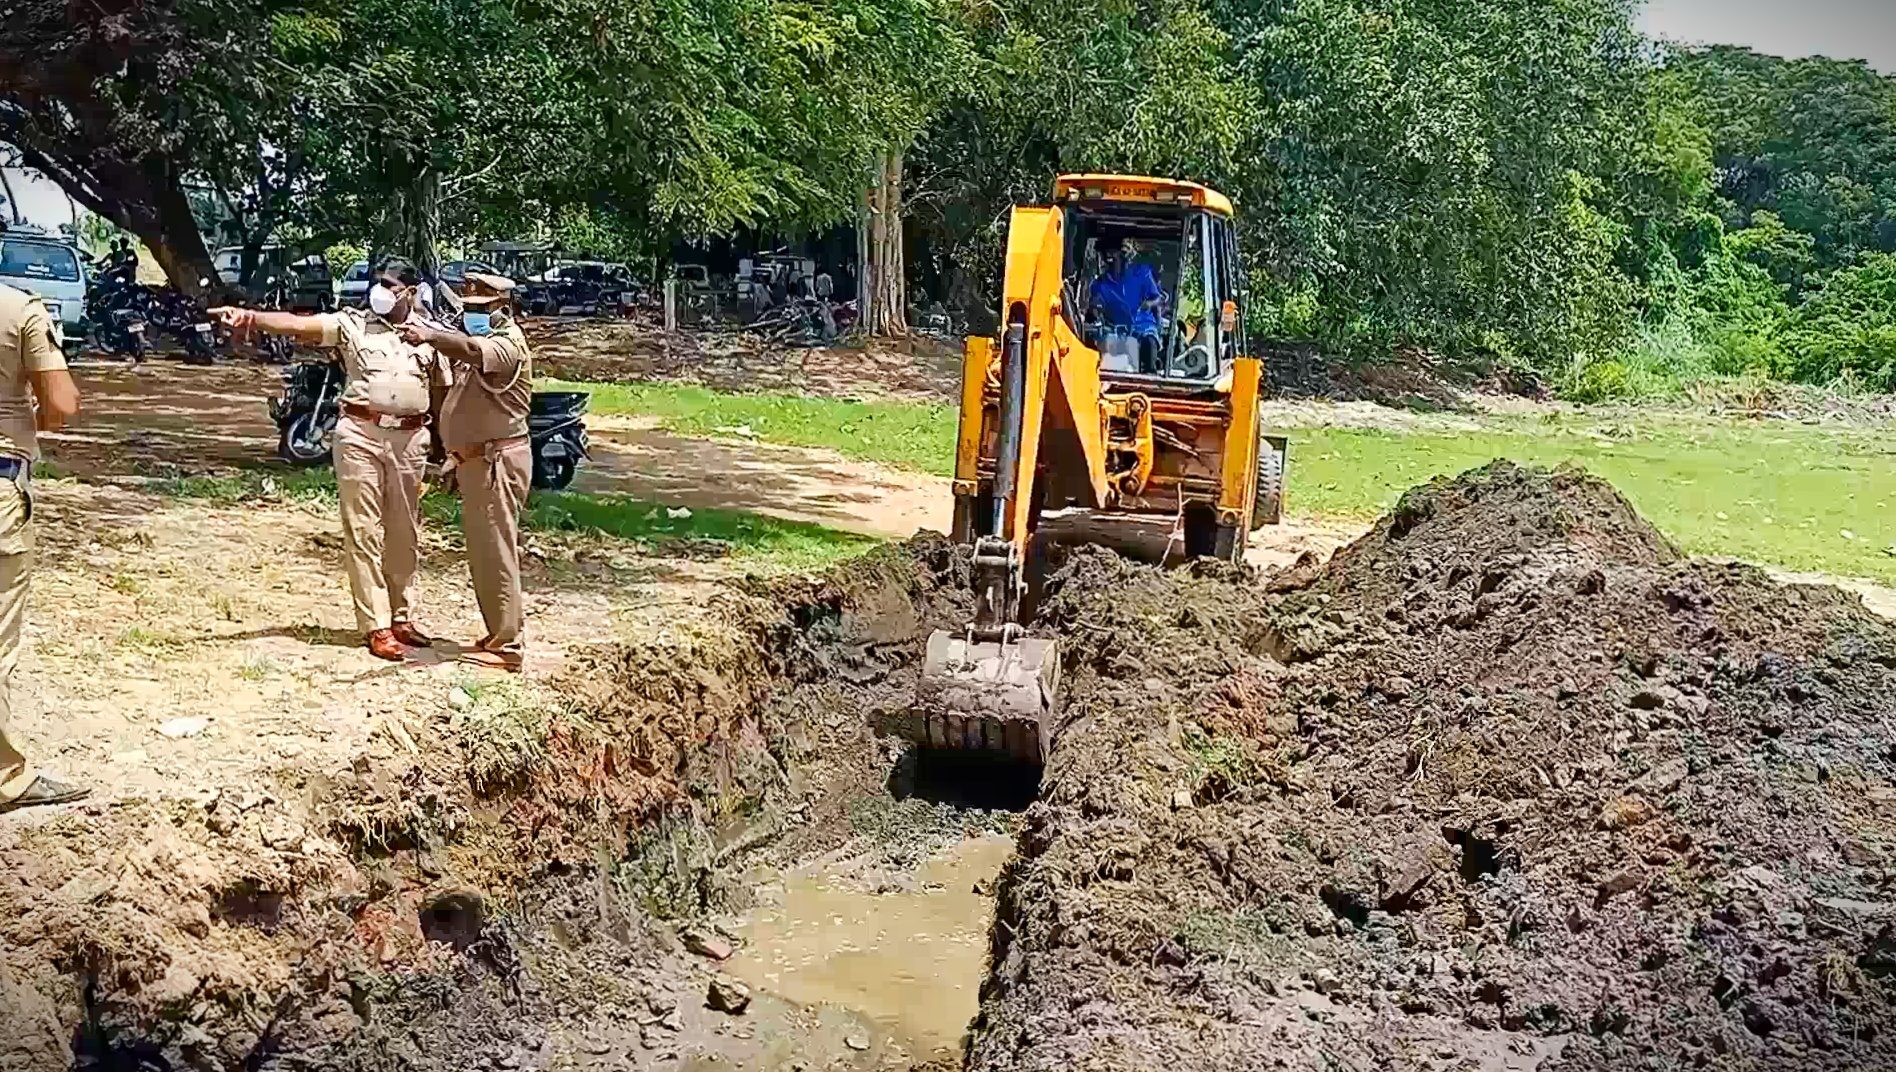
<point x="1120" y="407"/>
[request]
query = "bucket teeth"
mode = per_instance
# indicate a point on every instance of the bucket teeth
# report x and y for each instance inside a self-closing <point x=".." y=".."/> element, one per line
<point x="987" y="696"/>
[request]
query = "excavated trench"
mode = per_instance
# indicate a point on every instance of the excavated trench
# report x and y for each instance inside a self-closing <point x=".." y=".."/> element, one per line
<point x="1508" y="784"/>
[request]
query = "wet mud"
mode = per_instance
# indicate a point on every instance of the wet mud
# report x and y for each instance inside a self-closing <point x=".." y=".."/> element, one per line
<point x="1508" y="784"/>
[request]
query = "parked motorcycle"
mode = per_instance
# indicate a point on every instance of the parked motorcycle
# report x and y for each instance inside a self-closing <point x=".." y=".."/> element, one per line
<point x="119" y="311"/>
<point x="277" y="349"/>
<point x="557" y="430"/>
<point x="187" y="320"/>
<point x="120" y="330"/>
<point x="306" y="414"/>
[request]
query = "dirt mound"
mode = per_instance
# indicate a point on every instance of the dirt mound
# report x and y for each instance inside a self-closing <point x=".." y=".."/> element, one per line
<point x="1508" y="784"/>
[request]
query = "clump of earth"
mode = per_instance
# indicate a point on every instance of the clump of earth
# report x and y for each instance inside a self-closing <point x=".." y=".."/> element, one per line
<point x="1507" y="784"/>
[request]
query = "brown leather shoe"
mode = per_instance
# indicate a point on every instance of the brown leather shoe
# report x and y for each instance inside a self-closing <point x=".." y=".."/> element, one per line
<point x="383" y="645"/>
<point x="411" y="636"/>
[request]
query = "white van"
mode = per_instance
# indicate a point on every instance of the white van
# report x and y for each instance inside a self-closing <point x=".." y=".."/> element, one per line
<point x="32" y="261"/>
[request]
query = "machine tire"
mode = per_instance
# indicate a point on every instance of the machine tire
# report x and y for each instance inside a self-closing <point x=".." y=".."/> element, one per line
<point x="1268" y="507"/>
<point x="302" y="443"/>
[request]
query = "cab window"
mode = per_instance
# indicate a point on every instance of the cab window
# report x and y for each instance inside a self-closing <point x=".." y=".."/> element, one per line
<point x="1147" y="290"/>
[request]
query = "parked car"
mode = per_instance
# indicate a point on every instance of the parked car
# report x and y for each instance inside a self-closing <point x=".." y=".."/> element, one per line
<point x="32" y="261"/>
<point x="306" y="279"/>
<point x="454" y="273"/>
<point x="587" y="288"/>
<point x="354" y="292"/>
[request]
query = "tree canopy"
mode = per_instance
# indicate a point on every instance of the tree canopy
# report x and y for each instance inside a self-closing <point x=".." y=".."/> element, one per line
<point x="1525" y="181"/>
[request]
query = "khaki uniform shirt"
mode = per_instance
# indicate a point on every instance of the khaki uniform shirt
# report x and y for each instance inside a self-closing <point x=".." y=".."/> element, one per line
<point x="490" y="401"/>
<point x="380" y="370"/>
<point x="26" y="346"/>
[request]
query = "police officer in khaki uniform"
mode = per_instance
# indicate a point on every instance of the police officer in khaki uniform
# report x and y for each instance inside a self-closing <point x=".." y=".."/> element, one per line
<point x="36" y="394"/>
<point x="484" y="429"/>
<point x="381" y="446"/>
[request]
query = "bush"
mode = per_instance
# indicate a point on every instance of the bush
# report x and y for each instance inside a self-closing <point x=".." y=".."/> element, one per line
<point x="1847" y="328"/>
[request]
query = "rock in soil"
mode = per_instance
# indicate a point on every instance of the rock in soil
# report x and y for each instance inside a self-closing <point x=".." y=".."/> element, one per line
<point x="1509" y="783"/>
<point x="728" y="995"/>
<point x="706" y="944"/>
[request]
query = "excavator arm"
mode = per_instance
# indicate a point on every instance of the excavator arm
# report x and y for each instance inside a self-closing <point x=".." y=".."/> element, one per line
<point x="989" y="686"/>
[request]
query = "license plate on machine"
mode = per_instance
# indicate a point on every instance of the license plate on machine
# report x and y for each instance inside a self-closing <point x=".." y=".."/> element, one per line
<point x="628" y="297"/>
<point x="203" y="329"/>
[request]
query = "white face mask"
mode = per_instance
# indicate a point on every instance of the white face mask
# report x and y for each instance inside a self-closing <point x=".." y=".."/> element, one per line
<point x="381" y="300"/>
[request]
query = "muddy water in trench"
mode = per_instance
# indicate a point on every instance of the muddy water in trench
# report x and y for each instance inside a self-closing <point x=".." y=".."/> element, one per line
<point x="908" y="962"/>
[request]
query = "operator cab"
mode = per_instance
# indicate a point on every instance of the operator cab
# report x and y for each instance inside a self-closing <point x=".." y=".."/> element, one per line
<point x="1123" y="235"/>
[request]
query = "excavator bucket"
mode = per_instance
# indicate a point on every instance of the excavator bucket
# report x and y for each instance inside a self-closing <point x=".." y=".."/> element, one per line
<point x="992" y="696"/>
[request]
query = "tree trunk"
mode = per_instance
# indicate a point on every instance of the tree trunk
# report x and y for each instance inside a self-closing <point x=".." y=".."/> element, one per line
<point x="176" y="244"/>
<point x="885" y="307"/>
<point x="413" y="215"/>
<point x="142" y="196"/>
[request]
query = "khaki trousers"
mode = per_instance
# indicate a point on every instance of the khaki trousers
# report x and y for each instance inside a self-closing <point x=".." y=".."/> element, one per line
<point x="378" y="478"/>
<point x="494" y="479"/>
<point x="16" y="565"/>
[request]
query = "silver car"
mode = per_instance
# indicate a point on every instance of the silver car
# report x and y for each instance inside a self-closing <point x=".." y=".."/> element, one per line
<point x="354" y="292"/>
<point x="49" y="268"/>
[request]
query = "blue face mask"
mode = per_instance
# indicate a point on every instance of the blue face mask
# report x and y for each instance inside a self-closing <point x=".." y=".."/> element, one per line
<point x="477" y="323"/>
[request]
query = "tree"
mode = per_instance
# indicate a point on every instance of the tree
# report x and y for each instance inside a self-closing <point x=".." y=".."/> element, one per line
<point x="1812" y="141"/>
<point x="110" y="101"/>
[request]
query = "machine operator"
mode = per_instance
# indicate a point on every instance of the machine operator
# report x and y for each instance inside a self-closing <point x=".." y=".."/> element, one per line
<point x="1127" y="296"/>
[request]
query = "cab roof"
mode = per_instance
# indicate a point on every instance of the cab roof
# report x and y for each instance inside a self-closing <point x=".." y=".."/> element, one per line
<point x="1140" y="188"/>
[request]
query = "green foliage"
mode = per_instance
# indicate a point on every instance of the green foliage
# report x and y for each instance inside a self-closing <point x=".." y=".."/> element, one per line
<point x="502" y="728"/>
<point x="1847" y="328"/>
<point x="1528" y="182"/>
<point x="341" y="255"/>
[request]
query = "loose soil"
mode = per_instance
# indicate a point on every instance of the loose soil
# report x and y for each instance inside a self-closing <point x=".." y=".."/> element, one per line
<point x="1507" y="784"/>
<point x="455" y="872"/>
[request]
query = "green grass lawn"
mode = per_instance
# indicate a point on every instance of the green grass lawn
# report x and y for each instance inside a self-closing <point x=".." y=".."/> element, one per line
<point x="1792" y="496"/>
<point x="1787" y="492"/>
<point x="905" y="434"/>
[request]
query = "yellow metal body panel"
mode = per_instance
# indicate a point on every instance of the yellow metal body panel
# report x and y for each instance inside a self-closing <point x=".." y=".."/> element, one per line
<point x="976" y="357"/>
<point x="1059" y="368"/>
<point x="1090" y="187"/>
<point x="1239" y="477"/>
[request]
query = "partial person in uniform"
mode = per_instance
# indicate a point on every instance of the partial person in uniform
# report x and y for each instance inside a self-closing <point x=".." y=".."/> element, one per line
<point x="381" y="446"/>
<point x="36" y="395"/>
<point x="484" y="428"/>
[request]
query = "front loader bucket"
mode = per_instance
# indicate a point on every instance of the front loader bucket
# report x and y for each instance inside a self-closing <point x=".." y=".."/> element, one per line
<point x="987" y="696"/>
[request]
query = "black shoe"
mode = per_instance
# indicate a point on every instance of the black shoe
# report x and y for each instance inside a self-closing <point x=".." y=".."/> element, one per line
<point x="46" y="790"/>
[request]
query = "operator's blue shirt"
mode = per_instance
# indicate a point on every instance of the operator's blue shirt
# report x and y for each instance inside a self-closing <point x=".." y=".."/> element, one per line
<point x="1119" y="300"/>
